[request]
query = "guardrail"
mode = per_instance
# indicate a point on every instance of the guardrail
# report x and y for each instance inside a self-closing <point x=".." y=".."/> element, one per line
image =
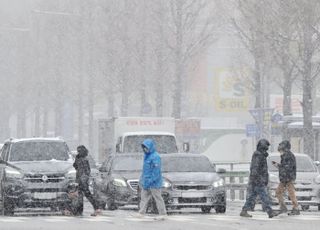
<point x="235" y="178"/>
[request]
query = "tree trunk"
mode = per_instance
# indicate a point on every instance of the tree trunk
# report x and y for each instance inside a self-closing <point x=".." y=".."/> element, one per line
<point x="308" y="135"/>
<point x="58" y="118"/>
<point x="110" y="96"/>
<point x="159" y="86"/>
<point x="37" y="121"/>
<point x="4" y="125"/>
<point x="90" y="110"/>
<point x="45" y="121"/>
<point x="21" y="123"/>
<point x="287" y="89"/>
<point x="176" y="110"/>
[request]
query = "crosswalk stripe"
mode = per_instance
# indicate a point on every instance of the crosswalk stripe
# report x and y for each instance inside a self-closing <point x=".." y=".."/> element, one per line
<point x="11" y="220"/>
<point x="96" y="219"/>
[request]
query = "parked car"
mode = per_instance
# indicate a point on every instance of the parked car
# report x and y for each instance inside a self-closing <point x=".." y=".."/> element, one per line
<point x="307" y="183"/>
<point x="190" y="180"/>
<point x="118" y="181"/>
<point x="35" y="172"/>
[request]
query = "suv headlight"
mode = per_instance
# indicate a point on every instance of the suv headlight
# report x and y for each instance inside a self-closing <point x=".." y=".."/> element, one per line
<point x="13" y="173"/>
<point x="218" y="183"/>
<point x="166" y="183"/>
<point x="317" y="179"/>
<point x="273" y="178"/>
<point x="71" y="174"/>
<point x="119" y="182"/>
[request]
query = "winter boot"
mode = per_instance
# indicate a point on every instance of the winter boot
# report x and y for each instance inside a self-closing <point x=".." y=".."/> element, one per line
<point x="244" y="213"/>
<point x="283" y="209"/>
<point x="294" y="211"/>
<point x="272" y="214"/>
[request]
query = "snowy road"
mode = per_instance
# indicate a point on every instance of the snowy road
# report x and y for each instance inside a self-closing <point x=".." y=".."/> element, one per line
<point x="187" y="219"/>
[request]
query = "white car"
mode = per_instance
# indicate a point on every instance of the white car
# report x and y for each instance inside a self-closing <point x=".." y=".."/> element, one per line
<point x="307" y="183"/>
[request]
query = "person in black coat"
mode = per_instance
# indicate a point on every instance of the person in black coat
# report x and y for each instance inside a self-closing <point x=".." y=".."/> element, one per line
<point x="83" y="170"/>
<point x="287" y="176"/>
<point x="258" y="180"/>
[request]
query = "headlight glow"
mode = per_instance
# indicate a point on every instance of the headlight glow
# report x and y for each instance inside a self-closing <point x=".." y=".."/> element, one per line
<point x="13" y="173"/>
<point x="71" y="174"/>
<point x="166" y="183"/>
<point x="119" y="183"/>
<point x="218" y="183"/>
<point x="317" y="179"/>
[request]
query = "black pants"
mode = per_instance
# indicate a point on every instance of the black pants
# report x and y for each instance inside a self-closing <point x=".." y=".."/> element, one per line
<point x="84" y="189"/>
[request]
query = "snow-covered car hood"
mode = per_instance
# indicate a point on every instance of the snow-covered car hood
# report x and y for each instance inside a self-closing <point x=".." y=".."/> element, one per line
<point x="44" y="166"/>
<point x="191" y="177"/>
<point x="128" y="175"/>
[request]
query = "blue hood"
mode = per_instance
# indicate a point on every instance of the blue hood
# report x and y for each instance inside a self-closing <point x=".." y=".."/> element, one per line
<point x="150" y="145"/>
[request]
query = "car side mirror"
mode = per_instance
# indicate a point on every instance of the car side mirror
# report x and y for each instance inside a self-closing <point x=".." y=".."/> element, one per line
<point x="221" y="170"/>
<point x="317" y="163"/>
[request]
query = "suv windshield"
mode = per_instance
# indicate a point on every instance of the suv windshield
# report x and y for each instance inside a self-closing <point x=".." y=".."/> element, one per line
<point x="39" y="151"/>
<point x="127" y="164"/>
<point x="186" y="164"/>
<point x="164" y="144"/>
<point x="304" y="164"/>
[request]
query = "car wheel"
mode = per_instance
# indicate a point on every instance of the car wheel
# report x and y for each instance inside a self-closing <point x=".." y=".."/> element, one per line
<point x="206" y="209"/>
<point x="318" y="207"/>
<point x="305" y="207"/>
<point x="111" y="205"/>
<point x="102" y="205"/>
<point x="8" y="207"/>
<point x="220" y="209"/>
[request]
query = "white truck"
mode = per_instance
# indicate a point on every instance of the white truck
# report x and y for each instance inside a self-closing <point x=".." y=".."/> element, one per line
<point x="125" y="134"/>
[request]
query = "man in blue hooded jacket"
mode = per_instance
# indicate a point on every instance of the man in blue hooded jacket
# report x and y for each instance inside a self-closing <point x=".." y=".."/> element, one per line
<point x="151" y="179"/>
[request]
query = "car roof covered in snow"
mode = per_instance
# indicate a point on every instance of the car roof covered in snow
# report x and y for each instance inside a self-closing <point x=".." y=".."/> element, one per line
<point x="55" y="139"/>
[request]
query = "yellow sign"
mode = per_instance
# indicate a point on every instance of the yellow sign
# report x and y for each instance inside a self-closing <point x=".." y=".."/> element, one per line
<point x="231" y="94"/>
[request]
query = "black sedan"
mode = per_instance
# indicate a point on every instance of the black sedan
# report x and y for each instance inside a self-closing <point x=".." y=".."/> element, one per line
<point x="118" y="182"/>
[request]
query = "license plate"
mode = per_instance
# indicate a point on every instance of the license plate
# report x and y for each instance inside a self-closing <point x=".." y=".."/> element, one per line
<point x="45" y="195"/>
<point x="192" y="194"/>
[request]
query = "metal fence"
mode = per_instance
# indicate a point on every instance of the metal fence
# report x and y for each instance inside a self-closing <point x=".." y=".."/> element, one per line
<point x="235" y="178"/>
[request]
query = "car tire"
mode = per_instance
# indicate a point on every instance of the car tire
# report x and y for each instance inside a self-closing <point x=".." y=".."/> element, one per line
<point x="220" y="209"/>
<point x="205" y="209"/>
<point x="8" y="207"/>
<point x="318" y="207"/>
<point x="102" y="205"/>
<point x="305" y="207"/>
<point x="111" y="205"/>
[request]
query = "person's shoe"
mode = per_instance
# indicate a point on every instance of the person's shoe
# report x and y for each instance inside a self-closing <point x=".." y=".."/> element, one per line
<point x="160" y="217"/>
<point x="294" y="212"/>
<point x="96" y="212"/>
<point x="273" y="214"/>
<point x="283" y="209"/>
<point x="244" y="213"/>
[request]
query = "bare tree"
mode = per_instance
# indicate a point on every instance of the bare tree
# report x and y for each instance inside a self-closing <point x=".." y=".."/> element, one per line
<point x="192" y="26"/>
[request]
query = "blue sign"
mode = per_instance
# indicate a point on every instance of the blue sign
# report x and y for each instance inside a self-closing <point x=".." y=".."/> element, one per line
<point x="251" y="130"/>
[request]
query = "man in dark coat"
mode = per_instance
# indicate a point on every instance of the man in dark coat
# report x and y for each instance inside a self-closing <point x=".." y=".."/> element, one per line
<point x="287" y="175"/>
<point x="258" y="180"/>
<point x="83" y="170"/>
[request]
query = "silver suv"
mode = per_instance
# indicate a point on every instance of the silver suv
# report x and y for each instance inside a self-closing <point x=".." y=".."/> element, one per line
<point x="307" y="183"/>
<point x="35" y="172"/>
